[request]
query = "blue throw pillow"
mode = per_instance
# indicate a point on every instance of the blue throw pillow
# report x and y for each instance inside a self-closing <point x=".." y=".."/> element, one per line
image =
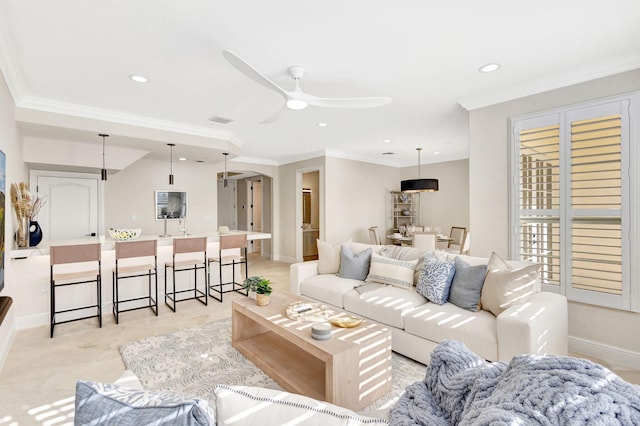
<point x="354" y="266"/>
<point x="435" y="279"/>
<point x="466" y="287"/>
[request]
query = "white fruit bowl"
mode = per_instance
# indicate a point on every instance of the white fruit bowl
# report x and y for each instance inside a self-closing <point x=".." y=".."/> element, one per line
<point x="124" y="234"/>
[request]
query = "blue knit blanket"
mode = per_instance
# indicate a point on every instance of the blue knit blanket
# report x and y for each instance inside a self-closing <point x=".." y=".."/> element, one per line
<point x="461" y="388"/>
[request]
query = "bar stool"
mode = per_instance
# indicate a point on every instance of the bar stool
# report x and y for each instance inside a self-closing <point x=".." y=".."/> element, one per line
<point x="229" y="242"/>
<point x="72" y="254"/>
<point x="125" y="269"/>
<point x="184" y="246"/>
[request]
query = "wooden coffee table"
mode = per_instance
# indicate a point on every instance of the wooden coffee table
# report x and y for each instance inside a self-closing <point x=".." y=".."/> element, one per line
<point x="351" y="369"/>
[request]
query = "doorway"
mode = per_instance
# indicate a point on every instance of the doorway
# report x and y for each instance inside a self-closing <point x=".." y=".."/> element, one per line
<point x="309" y="212"/>
<point x="246" y="205"/>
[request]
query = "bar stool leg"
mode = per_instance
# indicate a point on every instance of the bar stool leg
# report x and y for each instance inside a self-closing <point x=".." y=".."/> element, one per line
<point x="52" y="298"/>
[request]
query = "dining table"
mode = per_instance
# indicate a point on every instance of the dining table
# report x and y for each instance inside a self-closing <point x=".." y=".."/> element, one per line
<point x="400" y="239"/>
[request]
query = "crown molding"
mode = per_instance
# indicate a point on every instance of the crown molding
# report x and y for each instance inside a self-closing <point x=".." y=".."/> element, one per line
<point x="554" y="81"/>
<point x="73" y="110"/>
<point x="8" y="62"/>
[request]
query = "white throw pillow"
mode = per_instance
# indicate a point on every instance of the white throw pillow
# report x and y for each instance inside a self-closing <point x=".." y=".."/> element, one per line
<point x="505" y="286"/>
<point x="329" y="257"/>
<point x="385" y="270"/>
<point x="245" y="405"/>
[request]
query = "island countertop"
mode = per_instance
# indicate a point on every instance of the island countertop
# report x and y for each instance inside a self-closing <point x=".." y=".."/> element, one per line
<point x="108" y="243"/>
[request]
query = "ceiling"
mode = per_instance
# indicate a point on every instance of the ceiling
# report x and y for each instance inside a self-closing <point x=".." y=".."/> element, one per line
<point x="67" y="64"/>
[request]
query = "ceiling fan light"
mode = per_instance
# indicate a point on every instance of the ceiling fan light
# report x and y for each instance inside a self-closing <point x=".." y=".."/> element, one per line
<point x="296" y="104"/>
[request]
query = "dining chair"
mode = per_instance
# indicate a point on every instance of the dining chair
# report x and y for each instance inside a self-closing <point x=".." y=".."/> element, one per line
<point x="228" y="256"/>
<point x="456" y="241"/>
<point x="373" y="235"/>
<point x="136" y="259"/>
<point x="424" y="240"/>
<point x="87" y="270"/>
<point x="181" y="247"/>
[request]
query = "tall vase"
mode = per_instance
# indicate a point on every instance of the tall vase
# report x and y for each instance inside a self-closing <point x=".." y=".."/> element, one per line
<point x="35" y="233"/>
<point x="22" y="233"/>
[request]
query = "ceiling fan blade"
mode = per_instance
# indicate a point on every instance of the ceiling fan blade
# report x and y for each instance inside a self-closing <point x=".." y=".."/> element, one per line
<point x="255" y="75"/>
<point x="348" y="102"/>
<point x="275" y="117"/>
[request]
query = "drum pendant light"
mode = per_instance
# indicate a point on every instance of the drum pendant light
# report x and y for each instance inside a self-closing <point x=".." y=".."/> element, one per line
<point x="225" y="176"/>
<point x="171" y="145"/>
<point x="419" y="185"/>
<point x="104" y="167"/>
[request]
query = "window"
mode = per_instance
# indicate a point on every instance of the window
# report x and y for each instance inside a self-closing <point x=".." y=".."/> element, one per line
<point x="571" y="206"/>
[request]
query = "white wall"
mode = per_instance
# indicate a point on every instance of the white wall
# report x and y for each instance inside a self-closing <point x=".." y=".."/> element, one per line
<point x="489" y="209"/>
<point x="358" y="195"/>
<point x="449" y="206"/>
<point x="130" y="196"/>
<point x="15" y="172"/>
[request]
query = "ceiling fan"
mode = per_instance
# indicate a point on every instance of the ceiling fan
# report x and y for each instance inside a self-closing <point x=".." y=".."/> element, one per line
<point x="296" y="99"/>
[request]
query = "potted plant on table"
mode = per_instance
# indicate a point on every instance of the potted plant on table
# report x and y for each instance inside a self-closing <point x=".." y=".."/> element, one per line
<point x="261" y="286"/>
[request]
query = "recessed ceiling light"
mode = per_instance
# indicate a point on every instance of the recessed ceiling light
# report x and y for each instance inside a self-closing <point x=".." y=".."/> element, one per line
<point x="436" y="152"/>
<point x="386" y="140"/>
<point x="182" y="159"/>
<point x="321" y="124"/>
<point x="489" y="67"/>
<point x="138" y="78"/>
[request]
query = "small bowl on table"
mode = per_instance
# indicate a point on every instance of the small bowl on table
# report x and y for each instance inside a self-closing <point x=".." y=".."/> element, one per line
<point x="124" y="234"/>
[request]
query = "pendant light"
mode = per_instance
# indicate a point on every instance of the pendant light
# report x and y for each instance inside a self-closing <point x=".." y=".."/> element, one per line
<point x="419" y="185"/>
<point x="171" y="145"/>
<point x="225" y="176"/>
<point x="104" y="167"/>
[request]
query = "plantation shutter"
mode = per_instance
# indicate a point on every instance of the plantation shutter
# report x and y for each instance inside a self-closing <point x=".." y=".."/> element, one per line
<point x="570" y="201"/>
<point x="597" y="248"/>
<point x="539" y="232"/>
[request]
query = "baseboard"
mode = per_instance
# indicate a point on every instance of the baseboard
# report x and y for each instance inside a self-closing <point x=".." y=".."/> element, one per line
<point x="605" y="352"/>
<point x="286" y="259"/>
<point x="38" y="320"/>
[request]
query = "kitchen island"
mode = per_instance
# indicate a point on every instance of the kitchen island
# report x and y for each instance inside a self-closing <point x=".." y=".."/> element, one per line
<point x="29" y="275"/>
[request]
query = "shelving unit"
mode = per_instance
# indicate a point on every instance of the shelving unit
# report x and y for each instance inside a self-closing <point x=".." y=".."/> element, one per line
<point x="403" y="202"/>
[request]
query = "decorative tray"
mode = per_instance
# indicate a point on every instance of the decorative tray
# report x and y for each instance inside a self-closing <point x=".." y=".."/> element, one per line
<point x="308" y="312"/>
<point x="346" y="321"/>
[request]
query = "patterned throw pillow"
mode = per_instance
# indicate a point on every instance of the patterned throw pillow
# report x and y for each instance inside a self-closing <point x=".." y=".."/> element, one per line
<point x="435" y="279"/>
<point x="105" y="403"/>
<point x="396" y="272"/>
<point x="245" y="405"/>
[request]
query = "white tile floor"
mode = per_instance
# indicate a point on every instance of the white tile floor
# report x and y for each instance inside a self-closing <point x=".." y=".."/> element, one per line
<point x="38" y="379"/>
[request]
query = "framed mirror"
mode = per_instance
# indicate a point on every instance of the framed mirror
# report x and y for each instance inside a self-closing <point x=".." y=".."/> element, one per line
<point x="171" y="204"/>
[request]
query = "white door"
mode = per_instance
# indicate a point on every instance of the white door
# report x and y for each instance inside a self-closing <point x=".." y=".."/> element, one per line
<point x="71" y="207"/>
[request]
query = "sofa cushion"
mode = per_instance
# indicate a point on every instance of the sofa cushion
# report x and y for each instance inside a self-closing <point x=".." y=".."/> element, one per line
<point x="466" y="286"/>
<point x="382" y="303"/>
<point x="352" y="265"/>
<point x="328" y="288"/>
<point x="505" y="286"/>
<point x="244" y="405"/>
<point x="386" y="270"/>
<point x="105" y="403"/>
<point x="328" y="257"/>
<point x="477" y="330"/>
<point x="435" y="280"/>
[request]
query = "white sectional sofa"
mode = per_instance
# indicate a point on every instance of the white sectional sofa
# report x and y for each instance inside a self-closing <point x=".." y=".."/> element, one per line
<point x="536" y="325"/>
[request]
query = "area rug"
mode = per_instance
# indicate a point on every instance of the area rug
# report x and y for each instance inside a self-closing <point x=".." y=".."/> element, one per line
<point x="193" y="360"/>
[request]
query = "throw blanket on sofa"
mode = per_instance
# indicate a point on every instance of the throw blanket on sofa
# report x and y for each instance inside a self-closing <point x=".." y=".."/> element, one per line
<point x="461" y="388"/>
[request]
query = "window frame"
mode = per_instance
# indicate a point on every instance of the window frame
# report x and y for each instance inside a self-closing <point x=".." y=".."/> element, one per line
<point x="629" y="108"/>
